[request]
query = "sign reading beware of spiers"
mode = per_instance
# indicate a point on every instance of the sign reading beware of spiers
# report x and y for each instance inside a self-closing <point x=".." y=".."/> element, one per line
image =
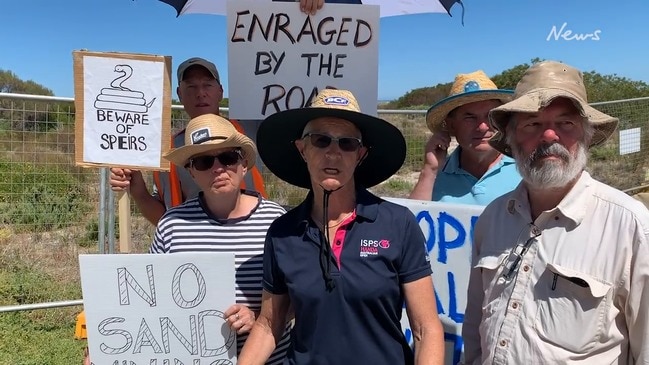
<point x="123" y="109"/>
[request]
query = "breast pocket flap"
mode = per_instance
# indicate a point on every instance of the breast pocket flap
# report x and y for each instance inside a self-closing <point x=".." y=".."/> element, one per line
<point x="597" y="287"/>
<point x="490" y="262"/>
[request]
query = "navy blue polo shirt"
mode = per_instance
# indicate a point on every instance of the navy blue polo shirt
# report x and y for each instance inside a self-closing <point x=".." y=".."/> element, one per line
<point x="358" y="322"/>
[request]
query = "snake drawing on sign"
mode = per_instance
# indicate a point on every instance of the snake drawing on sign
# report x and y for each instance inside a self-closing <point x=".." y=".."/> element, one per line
<point x="120" y="97"/>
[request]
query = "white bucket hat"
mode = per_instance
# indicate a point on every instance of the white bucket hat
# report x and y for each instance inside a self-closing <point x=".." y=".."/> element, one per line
<point x="539" y="86"/>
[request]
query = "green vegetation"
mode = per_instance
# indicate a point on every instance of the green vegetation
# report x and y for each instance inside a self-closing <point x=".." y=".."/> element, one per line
<point x="48" y="207"/>
<point x="40" y="190"/>
<point x="599" y="88"/>
<point x="41" y="336"/>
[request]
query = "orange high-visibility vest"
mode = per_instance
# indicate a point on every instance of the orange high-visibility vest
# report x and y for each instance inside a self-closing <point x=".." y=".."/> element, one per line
<point x="168" y="185"/>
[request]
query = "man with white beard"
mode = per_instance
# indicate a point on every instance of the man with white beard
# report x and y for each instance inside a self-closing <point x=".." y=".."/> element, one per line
<point x="560" y="264"/>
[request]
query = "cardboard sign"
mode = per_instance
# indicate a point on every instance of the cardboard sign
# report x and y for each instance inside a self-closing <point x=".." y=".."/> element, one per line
<point x="123" y="109"/>
<point x="155" y="309"/>
<point x="448" y="229"/>
<point x="279" y="57"/>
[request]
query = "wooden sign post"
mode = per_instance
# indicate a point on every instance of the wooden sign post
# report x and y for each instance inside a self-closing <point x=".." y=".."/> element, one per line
<point x="123" y="116"/>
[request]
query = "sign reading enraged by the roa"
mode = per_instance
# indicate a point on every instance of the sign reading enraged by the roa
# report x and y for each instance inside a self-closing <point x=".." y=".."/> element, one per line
<point x="157" y="309"/>
<point x="123" y="109"/>
<point x="279" y="57"/>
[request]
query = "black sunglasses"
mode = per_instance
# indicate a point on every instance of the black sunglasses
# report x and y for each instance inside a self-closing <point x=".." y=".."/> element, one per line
<point x="228" y="158"/>
<point x="348" y="144"/>
<point x="518" y="252"/>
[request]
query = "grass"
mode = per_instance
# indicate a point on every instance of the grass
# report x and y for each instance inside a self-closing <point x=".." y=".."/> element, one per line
<point x="33" y="274"/>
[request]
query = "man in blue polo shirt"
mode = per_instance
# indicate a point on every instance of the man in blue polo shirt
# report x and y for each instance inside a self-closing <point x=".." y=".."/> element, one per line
<point x="344" y="260"/>
<point x="474" y="173"/>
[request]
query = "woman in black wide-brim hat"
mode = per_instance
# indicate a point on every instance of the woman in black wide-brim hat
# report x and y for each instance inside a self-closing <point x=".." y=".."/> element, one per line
<point x="344" y="260"/>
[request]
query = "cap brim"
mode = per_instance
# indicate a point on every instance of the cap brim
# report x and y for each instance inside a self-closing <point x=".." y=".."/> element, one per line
<point x="438" y="112"/>
<point x="277" y="150"/>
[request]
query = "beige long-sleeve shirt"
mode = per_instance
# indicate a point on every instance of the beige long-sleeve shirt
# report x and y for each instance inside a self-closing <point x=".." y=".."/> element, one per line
<point x="581" y="291"/>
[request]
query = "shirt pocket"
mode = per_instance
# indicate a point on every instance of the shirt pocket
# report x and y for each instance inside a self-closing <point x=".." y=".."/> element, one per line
<point x="490" y="267"/>
<point x="571" y="308"/>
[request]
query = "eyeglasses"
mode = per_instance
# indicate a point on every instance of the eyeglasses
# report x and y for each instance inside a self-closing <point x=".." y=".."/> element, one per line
<point x="518" y="252"/>
<point x="347" y="144"/>
<point x="228" y="158"/>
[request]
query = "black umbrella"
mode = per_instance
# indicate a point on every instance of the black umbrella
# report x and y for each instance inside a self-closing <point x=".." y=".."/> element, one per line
<point x="388" y="7"/>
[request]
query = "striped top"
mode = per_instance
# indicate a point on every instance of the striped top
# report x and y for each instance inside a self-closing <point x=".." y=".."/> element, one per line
<point x="190" y="227"/>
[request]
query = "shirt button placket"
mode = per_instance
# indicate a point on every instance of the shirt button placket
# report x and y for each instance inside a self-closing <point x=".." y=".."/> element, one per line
<point x="512" y="317"/>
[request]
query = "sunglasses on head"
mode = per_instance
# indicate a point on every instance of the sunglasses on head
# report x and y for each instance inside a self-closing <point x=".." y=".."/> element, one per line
<point x="228" y="158"/>
<point x="348" y="144"/>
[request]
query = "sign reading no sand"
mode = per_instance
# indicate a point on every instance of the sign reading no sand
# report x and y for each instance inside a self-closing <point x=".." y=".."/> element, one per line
<point x="156" y="309"/>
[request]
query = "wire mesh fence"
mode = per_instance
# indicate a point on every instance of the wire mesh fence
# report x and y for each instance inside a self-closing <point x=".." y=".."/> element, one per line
<point x="43" y="194"/>
<point x="49" y="207"/>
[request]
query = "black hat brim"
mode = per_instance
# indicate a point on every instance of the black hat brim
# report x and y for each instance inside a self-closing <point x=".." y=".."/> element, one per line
<point x="277" y="133"/>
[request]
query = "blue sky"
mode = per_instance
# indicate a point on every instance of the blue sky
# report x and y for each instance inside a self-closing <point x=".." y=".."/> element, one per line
<point x="414" y="51"/>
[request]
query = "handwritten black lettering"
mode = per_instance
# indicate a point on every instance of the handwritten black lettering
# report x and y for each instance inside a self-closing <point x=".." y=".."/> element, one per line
<point x="122" y="117"/>
<point x="295" y="97"/>
<point x="308" y="57"/>
<point x="307" y="29"/>
<point x="368" y="37"/>
<point x="264" y="33"/>
<point x="238" y="25"/>
<point x="282" y="27"/>
<point x="338" y="65"/>
<point x="113" y="142"/>
<point x="145" y="337"/>
<point x="326" y="31"/>
<point x="266" y="59"/>
<point x="128" y="339"/>
<point x="218" y="317"/>
<point x="325" y="64"/>
<point x="277" y="92"/>
<point x="330" y="33"/>
<point x="289" y="104"/>
<point x="191" y="345"/>
<point x="177" y="294"/>
<point x="342" y="31"/>
<point x="125" y="280"/>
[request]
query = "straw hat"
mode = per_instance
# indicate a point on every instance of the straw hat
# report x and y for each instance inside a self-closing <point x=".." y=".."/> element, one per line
<point x="542" y="83"/>
<point x="210" y="132"/>
<point x="467" y="88"/>
<point x="277" y="133"/>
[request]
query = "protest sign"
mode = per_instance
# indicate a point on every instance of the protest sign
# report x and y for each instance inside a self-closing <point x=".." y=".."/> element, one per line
<point x="448" y="229"/>
<point x="157" y="309"/>
<point x="123" y="109"/>
<point x="279" y="57"/>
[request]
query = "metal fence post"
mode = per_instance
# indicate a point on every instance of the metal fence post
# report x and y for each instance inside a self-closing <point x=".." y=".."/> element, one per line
<point x="111" y="221"/>
<point x="102" y="210"/>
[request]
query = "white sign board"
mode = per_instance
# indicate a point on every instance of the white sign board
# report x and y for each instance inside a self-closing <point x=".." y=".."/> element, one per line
<point x="630" y="141"/>
<point x="279" y="57"/>
<point x="448" y="229"/>
<point x="157" y="309"/>
<point x="122" y="105"/>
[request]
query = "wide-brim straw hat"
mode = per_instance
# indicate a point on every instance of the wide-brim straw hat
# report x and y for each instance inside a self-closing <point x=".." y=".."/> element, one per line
<point x="278" y="132"/>
<point x="540" y="85"/>
<point x="210" y="132"/>
<point x="467" y="88"/>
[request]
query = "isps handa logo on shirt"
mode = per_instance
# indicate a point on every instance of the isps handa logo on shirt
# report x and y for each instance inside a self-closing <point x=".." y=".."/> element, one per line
<point x="372" y="247"/>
